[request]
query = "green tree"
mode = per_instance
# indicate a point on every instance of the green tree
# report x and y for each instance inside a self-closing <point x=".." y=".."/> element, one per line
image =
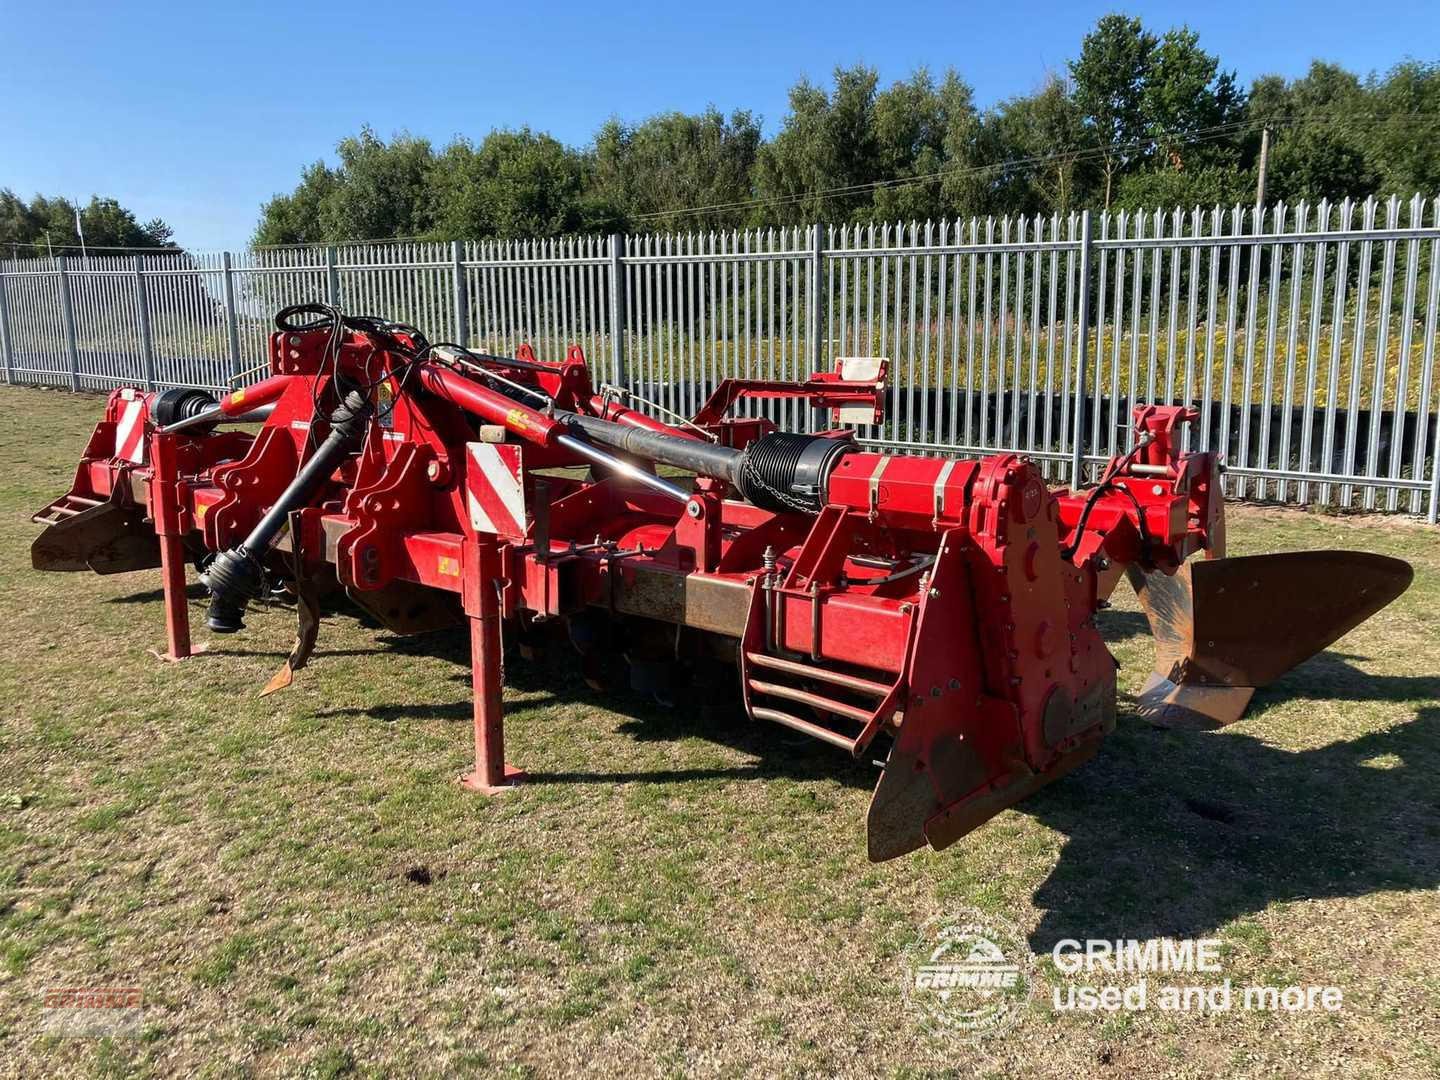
<point x="675" y="162"/>
<point x="910" y="152"/>
<point x="515" y="184"/>
<point x="826" y="142"/>
<point x="1317" y="123"/>
<point x="1313" y="161"/>
<point x="34" y="228"/>
<point x="968" y="182"/>
<point x="1144" y="120"/>
<point x="384" y="189"/>
<point x="1184" y="97"/>
<point x="1402" y="137"/>
<point x="910" y="127"/>
<point x="295" y="218"/>
<point x="1038" y="142"/>
<point x="1204" y="186"/>
<point x="1110" y="76"/>
<point x="380" y="189"/>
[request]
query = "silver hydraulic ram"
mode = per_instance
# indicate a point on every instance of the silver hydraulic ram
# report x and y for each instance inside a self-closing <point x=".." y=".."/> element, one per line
<point x="213" y="416"/>
<point x="596" y="456"/>
<point x="778" y="471"/>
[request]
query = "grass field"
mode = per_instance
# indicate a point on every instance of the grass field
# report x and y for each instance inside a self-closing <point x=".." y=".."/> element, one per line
<point x="299" y="888"/>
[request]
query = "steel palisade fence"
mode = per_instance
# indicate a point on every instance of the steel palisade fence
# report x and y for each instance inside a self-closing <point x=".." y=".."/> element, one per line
<point x="1304" y="335"/>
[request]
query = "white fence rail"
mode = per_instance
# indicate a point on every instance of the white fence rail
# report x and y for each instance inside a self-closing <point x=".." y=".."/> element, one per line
<point x="1305" y="336"/>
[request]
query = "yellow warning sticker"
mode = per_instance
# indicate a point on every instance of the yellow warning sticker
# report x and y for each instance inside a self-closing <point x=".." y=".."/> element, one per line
<point x="237" y="397"/>
<point x="449" y="567"/>
<point x="200" y="509"/>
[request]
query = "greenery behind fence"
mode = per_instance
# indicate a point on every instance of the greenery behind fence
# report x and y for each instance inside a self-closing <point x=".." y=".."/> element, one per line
<point x="1255" y="317"/>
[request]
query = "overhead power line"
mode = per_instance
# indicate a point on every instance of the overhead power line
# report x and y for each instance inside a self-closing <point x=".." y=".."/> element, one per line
<point x="1199" y="135"/>
<point x="172" y="249"/>
<point x="946" y="173"/>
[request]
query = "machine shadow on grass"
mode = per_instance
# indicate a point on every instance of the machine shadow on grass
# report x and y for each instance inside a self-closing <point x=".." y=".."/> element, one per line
<point x="1176" y="833"/>
<point x="553" y="675"/>
<point x="1193" y="829"/>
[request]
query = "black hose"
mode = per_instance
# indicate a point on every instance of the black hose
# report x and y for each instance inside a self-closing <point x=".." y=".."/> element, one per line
<point x="237" y="576"/>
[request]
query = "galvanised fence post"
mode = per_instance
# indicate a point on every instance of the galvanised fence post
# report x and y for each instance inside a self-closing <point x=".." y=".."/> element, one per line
<point x="814" y="304"/>
<point x="232" y="325"/>
<point x="1082" y="353"/>
<point x="332" y="278"/>
<point x="142" y="319"/>
<point x="5" y="341"/>
<point x="617" y="314"/>
<point x="67" y="311"/>
<point x="1433" y="516"/>
<point x="462" y="304"/>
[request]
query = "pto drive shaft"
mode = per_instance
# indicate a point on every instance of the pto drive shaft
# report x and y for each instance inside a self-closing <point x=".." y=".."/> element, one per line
<point x="237" y="576"/>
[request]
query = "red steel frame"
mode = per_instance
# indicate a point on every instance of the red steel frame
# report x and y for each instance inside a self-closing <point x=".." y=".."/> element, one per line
<point x="929" y="599"/>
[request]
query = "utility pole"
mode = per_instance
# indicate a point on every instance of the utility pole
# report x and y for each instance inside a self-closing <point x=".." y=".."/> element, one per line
<point x="1264" y="166"/>
<point x="79" y="228"/>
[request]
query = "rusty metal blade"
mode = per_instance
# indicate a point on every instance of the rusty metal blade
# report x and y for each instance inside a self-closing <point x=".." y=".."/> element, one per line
<point x="1166" y="703"/>
<point x="1225" y="626"/>
<point x="307" y="629"/>
<point x="106" y="538"/>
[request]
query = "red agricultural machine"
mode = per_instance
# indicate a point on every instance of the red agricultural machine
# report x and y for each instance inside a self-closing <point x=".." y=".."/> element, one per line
<point x="932" y="613"/>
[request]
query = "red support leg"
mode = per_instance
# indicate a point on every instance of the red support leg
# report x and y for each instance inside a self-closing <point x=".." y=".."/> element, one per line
<point x="177" y="611"/>
<point x="491" y="775"/>
<point x="165" y="511"/>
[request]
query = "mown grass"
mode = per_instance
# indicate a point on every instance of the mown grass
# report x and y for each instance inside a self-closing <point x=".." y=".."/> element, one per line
<point x="301" y="889"/>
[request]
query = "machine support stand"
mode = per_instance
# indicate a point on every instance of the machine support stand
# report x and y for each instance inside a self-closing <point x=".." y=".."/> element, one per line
<point x="491" y="776"/>
<point x="165" y="510"/>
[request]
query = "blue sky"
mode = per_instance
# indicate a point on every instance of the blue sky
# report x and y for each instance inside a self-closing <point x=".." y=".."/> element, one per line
<point x="198" y="112"/>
